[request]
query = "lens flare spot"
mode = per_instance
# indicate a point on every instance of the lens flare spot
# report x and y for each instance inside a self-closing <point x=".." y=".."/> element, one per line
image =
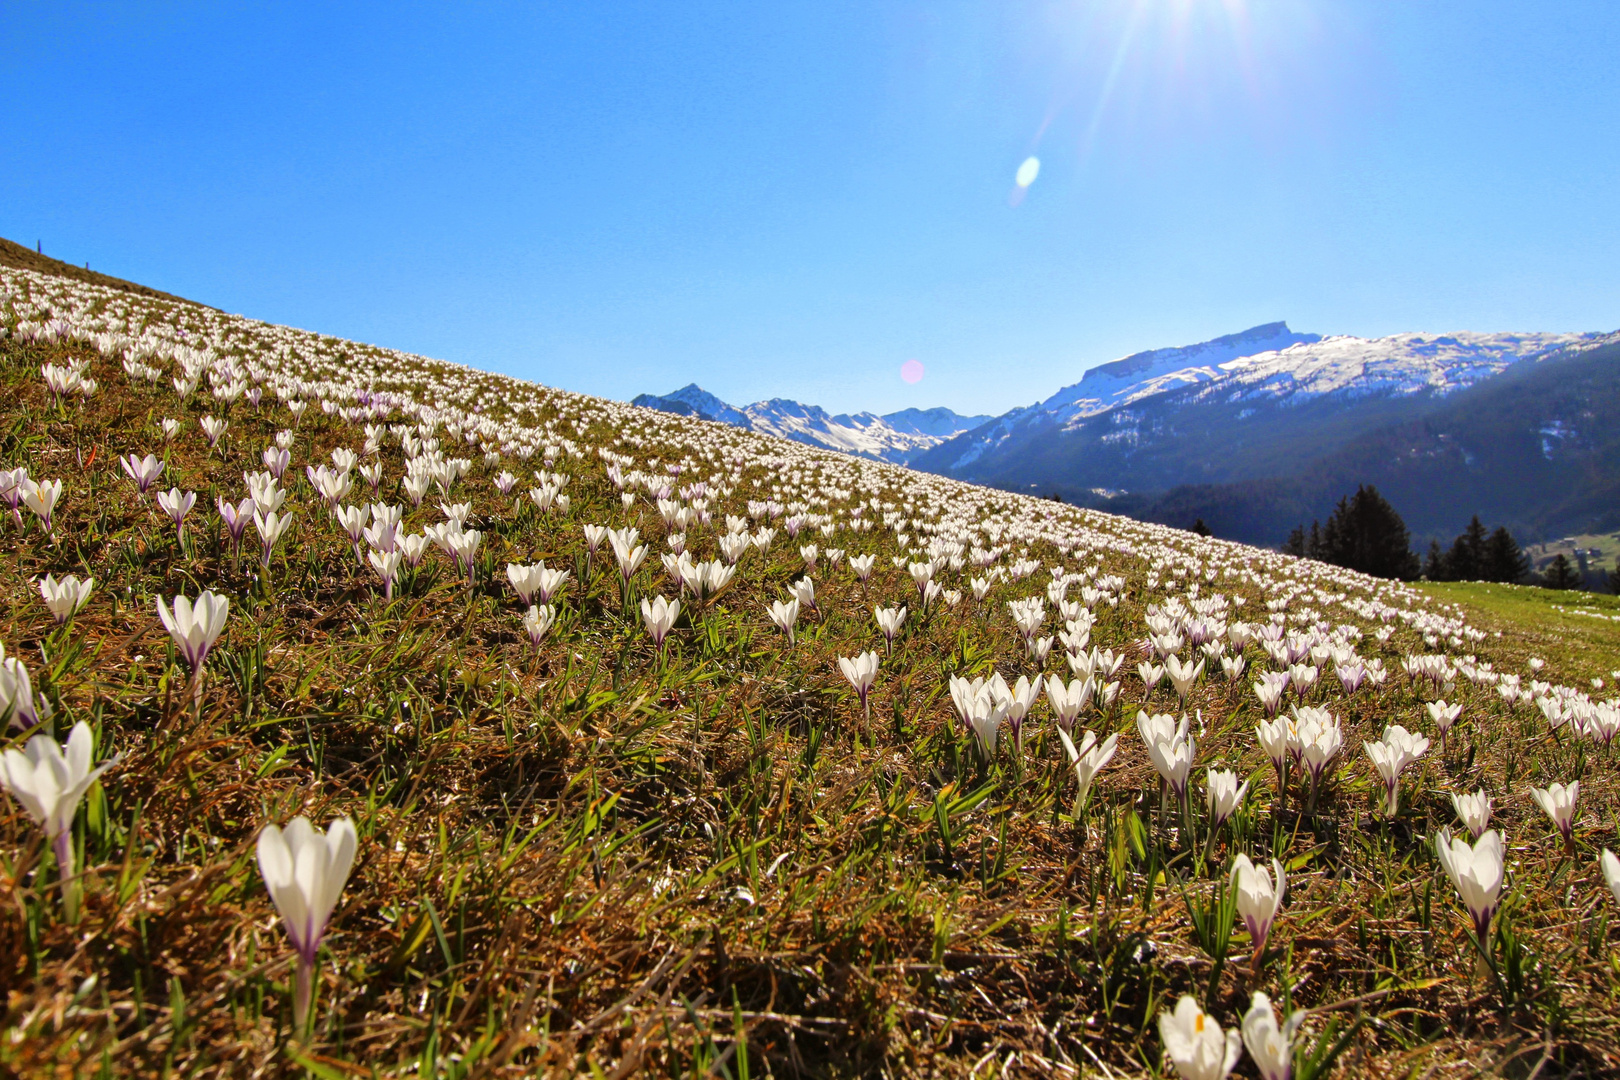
<point x="912" y="371"/>
<point x="1028" y="171"/>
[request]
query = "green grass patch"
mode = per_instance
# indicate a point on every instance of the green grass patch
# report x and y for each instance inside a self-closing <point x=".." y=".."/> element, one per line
<point x="1577" y="632"/>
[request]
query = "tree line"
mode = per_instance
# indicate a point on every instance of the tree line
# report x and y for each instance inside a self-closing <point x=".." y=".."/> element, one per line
<point x="1364" y="532"/>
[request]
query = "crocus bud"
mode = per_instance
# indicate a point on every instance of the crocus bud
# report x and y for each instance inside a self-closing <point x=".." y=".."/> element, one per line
<point x="785" y="616"/>
<point x="304" y="871"/>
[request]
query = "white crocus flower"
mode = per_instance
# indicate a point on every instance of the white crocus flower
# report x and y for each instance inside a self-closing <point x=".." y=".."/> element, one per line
<point x="1270" y="695"/>
<point x="1474" y="811"/>
<point x="1259" y="897"/>
<point x="1319" y="738"/>
<point x="352" y="520"/>
<point x="1182" y="676"/>
<point x="464" y="547"/>
<point x="1016" y="701"/>
<point x="13" y="484"/>
<point x="236" y="519"/>
<point x="17" y="694"/>
<point x="276" y="459"/>
<point x="1223" y="795"/>
<point x="195" y="627"/>
<point x="627" y="552"/>
<point x="732" y="546"/>
<point x="1443" y="716"/>
<point x="144" y="471"/>
<point x="537" y="621"/>
<point x="265" y="491"/>
<point x="1069" y="701"/>
<point x="889" y="621"/>
<point x="271" y="526"/>
<point x="386" y="563"/>
<point x="1195" y="1043"/>
<point x="1272" y="735"/>
<point x="861" y="671"/>
<point x="785" y="616"/>
<point x="594" y="535"/>
<point x="177" y="504"/>
<point x="1271" y="1047"/>
<point x="414" y="547"/>
<point x="212" y="429"/>
<point x="985" y="710"/>
<point x="549" y="582"/>
<point x="42" y="498"/>
<point x="329" y="485"/>
<point x="1390" y="756"/>
<point x="659" y="615"/>
<point x="1476" y="873"/>
<point x="705" y="579"/>
<point x="382" y="535"/>
<point x="1611" y="872"/>
<point x="1558" y="801"/>
<point x="525" y="579"/>
<point x="64" y="598"/>
<point x="304" y="871"/>
<point x="1172" y="751"/>
<point x="50" y="785"/>
<point x="1088" y="760"/>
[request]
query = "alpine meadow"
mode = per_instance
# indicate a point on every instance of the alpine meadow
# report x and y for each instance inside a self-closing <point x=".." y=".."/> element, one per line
<point x="369" y="715"/>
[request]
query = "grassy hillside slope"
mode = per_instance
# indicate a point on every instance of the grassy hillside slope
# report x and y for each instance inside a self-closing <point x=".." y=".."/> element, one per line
<point x="16" y="256"/>
<point x="601" y="855"/>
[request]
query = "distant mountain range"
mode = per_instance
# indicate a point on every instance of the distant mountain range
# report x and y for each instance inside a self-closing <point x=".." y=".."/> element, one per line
<point x="1258" y="431"/>
<point x="1255" y="431"/>
<point x="896" y="437"/>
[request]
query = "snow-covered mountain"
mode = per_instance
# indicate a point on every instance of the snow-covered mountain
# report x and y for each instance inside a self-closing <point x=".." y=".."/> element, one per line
<point x="1143" y="374"/>
<point x="897" y="437"/>
<point x="1258" y="370"/>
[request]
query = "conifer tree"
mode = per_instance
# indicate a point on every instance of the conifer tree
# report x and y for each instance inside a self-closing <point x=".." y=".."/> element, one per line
<point x="1561" y="574"/>
<point x="1503" y="561"/>
<point x="1434" y="564"/>
<point x="1364" y="533"/>
<point x="1466" y="559"/>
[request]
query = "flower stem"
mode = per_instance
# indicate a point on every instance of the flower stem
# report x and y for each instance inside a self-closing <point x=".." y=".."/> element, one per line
<point x="303" y="980"/>
<point x="64" y="873"/>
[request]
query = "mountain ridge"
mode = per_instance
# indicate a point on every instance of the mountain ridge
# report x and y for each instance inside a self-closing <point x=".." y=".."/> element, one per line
<point x="1269" y="430"/>
<point x="894" y="437"/>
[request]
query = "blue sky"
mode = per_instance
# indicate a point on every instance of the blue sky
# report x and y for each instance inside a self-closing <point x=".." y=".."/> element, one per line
<point x="793" y="200"/>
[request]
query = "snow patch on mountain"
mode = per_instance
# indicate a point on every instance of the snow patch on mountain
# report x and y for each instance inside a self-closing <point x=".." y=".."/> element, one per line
<point x="1398" y="364"/>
